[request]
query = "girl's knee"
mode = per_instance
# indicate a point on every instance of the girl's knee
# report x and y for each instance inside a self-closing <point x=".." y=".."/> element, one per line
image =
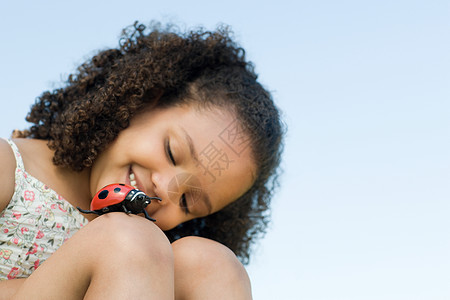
<point x="205" y="264"/>
<point x="129" y="256"/>
<point x="204" y="252"/>
<point x="118" y="234"/>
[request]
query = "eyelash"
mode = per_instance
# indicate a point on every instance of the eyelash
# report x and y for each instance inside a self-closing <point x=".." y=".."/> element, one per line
<point x="183" y="202"/>
<point x="169" y="152"/>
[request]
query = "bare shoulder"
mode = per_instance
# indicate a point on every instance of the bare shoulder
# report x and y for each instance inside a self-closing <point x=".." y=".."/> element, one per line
<point x="7" y="166"/>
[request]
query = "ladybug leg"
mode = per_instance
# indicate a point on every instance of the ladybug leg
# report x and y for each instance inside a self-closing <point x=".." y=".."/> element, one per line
<point x="87" y="211"/>
<point x="147" y="216"/>
<point x="126" y="210"/>
<point x="156" y="198"/>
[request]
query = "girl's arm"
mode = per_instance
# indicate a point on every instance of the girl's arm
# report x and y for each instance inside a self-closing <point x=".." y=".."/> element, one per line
<point x="7" y="168"/>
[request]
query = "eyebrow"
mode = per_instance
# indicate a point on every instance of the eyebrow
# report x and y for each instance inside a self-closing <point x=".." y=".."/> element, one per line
<point x="194" y="155"/>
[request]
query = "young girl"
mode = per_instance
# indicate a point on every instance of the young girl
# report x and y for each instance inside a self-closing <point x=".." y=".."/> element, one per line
<point x="178" y="116"/>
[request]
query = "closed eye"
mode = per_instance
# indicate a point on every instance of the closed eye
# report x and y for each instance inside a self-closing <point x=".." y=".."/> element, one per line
<point x="169" y="152"/>
<point x="183" y="204"/>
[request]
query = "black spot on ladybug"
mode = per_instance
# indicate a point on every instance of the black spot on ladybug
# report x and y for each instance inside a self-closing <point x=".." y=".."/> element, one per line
<point x="121" y="184"/>
<point x="103" y="194"/>
<point x="116" y="190"/>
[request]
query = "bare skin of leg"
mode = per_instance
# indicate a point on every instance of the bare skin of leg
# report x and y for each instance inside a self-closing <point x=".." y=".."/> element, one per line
<point x="116" y="256"/>
<point x="205" y="269"/>
<point x="136" y="263"/>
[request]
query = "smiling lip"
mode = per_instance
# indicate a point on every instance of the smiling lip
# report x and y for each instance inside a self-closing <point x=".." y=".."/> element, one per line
<point x="134" y="182"/>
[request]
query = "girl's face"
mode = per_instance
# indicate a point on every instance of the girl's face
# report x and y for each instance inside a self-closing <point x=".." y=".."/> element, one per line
<point x="196" y="160"/>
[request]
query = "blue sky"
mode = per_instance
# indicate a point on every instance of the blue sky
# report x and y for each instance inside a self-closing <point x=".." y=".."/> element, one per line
<point x="363" y="208"/>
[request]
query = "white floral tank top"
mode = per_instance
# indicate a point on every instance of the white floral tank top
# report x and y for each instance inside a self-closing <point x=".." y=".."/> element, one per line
<point x="34" y="225"/>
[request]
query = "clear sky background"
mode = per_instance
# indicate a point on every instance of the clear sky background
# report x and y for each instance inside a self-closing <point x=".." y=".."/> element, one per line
<point x="363" y="208"/>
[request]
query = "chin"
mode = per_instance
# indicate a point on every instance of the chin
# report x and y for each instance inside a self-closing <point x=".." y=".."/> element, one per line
<point x="165" y="227"/>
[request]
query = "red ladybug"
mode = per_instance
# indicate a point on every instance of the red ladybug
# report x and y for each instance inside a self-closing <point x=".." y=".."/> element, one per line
<point x="119" y="197"/>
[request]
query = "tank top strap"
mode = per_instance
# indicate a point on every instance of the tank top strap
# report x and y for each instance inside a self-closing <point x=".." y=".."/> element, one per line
<point x="19" y="161"/>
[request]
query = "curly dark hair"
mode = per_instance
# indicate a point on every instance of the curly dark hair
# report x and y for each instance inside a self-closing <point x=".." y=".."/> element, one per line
<point x="163" y="67"/>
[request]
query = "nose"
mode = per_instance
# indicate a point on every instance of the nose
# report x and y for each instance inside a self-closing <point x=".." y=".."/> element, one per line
<point x="158" y="187"/>
<point x="167" y="187"/>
